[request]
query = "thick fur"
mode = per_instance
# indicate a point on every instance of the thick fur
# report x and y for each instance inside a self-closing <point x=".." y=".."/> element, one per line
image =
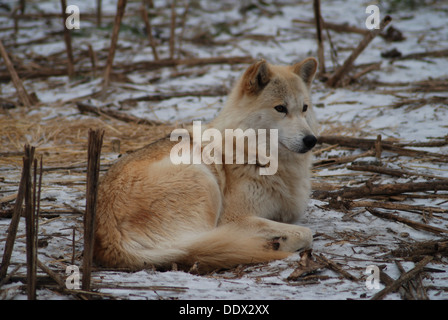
<point x="151" y="212"/>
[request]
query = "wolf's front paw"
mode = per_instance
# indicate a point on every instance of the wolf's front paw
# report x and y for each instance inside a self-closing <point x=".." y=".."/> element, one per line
<point x="275" y="243"/>
<point x="298" y="239"/>
<point x="306" y="239"/>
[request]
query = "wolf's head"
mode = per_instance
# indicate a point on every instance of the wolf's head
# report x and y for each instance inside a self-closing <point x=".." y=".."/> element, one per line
<point x="275" y="97"/>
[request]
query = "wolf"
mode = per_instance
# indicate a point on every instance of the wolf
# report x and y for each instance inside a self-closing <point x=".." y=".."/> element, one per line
<point x="153" y="213"/>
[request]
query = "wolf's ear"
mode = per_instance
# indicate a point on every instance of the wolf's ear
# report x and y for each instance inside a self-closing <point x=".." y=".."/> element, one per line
<point x="256" y="77"/>
<point x="306" y="70"/>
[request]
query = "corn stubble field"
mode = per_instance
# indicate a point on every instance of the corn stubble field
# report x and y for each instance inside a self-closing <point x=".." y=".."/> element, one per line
<point x="380" y="172"/>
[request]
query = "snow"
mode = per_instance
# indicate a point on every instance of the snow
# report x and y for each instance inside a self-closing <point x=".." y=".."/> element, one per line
<point x="367" y="239"/>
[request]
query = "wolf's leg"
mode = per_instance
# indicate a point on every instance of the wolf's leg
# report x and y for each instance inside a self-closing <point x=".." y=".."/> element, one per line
<point x="278" y="235"/>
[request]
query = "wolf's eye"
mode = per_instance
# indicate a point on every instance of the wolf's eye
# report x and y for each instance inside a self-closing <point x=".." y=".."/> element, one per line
<point x="305" y="107"/>
<point x="281" y="108"/>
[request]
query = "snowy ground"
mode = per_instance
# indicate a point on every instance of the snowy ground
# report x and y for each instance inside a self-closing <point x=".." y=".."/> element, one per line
<point x="354" y="239"/>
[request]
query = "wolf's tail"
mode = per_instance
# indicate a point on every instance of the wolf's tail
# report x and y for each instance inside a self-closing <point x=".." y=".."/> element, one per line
<point x="221" y="248"/>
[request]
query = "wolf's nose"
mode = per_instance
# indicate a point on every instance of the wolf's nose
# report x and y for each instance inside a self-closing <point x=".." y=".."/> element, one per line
<point x="309" y="141"/>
